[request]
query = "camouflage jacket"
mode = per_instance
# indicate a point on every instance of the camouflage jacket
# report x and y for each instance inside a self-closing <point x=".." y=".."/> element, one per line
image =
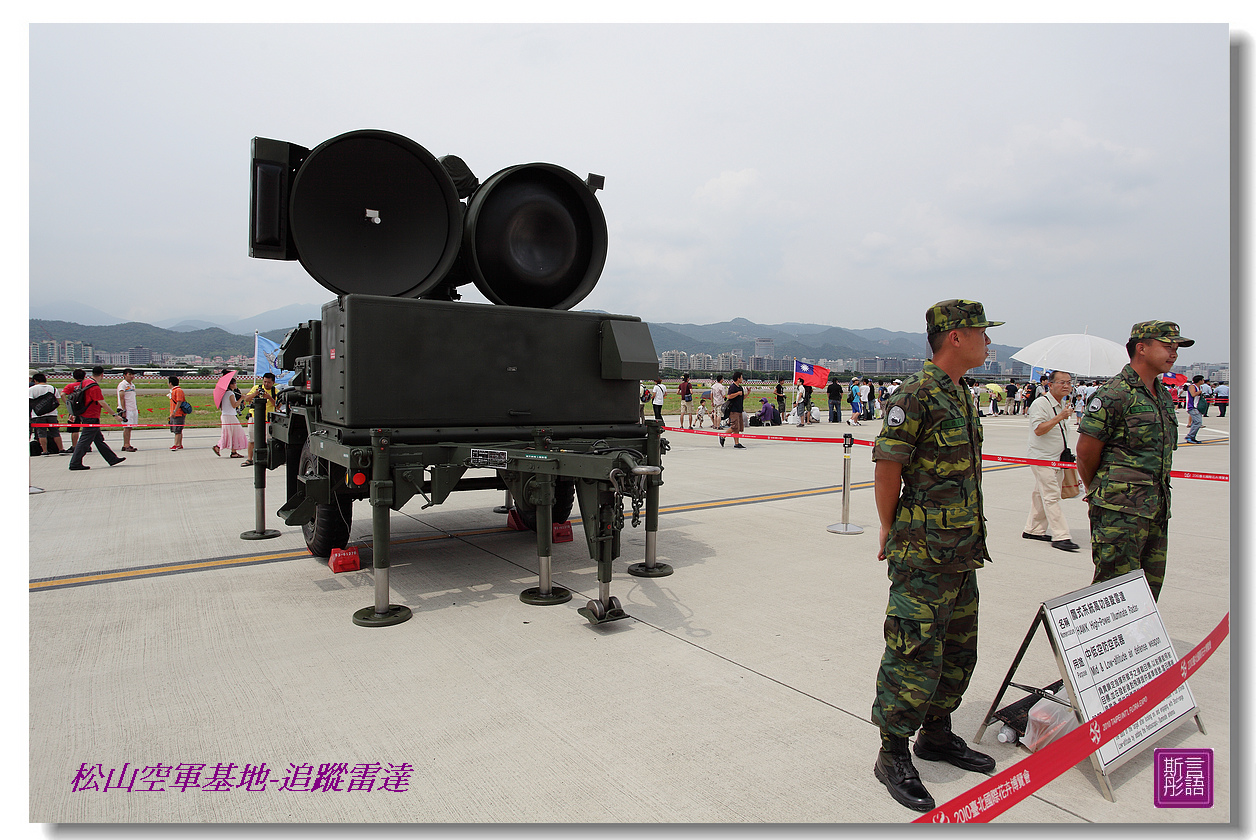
<point x="1138" y="429"/>
<point x="931" y="427"/>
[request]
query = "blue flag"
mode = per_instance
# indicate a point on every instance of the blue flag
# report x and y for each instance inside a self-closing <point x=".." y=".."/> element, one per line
<point x="266" y="360"/>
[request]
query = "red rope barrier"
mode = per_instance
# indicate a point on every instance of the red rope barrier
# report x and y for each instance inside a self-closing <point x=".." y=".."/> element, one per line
<point x="106" y="426"/>
<point x="1007" y="459"/>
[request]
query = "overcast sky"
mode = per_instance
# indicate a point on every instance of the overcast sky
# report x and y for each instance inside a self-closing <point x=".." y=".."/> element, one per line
<point x="1071" y="177"/>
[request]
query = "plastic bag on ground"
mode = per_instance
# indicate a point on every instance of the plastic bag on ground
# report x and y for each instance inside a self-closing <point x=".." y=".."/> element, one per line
<point x="1047" y="721"/>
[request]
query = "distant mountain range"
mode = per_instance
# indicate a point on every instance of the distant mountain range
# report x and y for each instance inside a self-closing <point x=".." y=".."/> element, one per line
<point x="284" y="318"/>
<point x="806" y="341"/>
<point x="203" y="338"/>
<point x="178" y="337"/>
<point x="116" y="338"/>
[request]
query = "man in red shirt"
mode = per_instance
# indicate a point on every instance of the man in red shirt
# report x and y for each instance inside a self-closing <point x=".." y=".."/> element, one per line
<point x="90" y="418"/>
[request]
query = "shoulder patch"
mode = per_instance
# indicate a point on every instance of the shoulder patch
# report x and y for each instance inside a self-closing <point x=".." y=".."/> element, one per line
<point x="1095" y="405"/>
<point x="896" y="416"/>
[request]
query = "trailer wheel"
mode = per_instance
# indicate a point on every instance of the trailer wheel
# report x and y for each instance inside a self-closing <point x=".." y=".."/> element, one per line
<point x="564" y="500"/>
<point x="330" y="527"/>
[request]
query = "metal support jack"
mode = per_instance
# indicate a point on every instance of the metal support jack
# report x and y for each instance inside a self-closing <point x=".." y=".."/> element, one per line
<point x="505" y="506"/>
<point x="651" y="476"/>
<point x="382" y="614"/>
<point x="601" y="511"/>
<point x="540" y="492"/>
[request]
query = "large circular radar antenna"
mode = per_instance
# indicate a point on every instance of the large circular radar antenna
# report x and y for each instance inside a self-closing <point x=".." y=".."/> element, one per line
<point x="535" y="236"/>
<point x="374" y="213"/>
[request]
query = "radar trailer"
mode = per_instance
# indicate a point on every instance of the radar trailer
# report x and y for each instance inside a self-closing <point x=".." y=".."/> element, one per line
<point x="400" y="390"/>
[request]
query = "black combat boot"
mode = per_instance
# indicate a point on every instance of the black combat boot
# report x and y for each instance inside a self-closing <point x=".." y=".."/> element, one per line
<point x="895" y="770"/>
<point x="937" y="742"/>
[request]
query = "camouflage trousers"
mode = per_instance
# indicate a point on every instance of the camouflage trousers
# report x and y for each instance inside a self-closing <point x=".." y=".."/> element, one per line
<point x="1121" y="542"/>
<point x="930" y="647"/>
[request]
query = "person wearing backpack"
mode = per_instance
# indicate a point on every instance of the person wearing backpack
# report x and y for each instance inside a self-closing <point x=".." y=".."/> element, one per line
<point x="85" y="402"/>
<point x="78" y="374"/>
<point x="685" y="389"/>
<point x="44" y="415"/>
<point x="177" y="415"/>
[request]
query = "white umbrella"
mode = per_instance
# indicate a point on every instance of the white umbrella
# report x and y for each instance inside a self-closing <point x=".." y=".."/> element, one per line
<point x="1083" y="354"/>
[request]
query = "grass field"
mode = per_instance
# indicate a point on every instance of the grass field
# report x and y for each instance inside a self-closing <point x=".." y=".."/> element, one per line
<point x="154" y="406"/>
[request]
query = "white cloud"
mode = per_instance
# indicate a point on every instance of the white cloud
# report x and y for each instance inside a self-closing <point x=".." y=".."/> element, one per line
<point x="730" y="191"/>
<point x="1062" y="176"/>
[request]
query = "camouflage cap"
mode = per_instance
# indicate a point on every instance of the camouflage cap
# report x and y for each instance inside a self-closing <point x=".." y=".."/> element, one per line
<point x="1165" y="331"/>
<point x="957" y="315"/>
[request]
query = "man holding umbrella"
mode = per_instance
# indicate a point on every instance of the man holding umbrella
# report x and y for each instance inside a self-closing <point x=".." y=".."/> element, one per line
<point x="1124" y="454"/>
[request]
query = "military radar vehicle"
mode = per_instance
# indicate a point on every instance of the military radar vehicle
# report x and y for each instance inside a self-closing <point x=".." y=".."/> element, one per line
<point x="401" y="390"/>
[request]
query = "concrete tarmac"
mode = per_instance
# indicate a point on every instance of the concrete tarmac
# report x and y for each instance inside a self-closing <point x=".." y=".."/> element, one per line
<point x="739" y="690"/>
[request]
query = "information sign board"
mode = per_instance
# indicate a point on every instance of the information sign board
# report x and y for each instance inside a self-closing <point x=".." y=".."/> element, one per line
<point x="1110" y="640"/>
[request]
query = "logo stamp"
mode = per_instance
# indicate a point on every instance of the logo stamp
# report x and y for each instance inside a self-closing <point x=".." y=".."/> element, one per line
<point x="1183" y="778"/>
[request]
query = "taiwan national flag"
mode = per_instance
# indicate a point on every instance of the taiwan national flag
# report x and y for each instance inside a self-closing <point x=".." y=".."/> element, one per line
<point x="813" y="375"/>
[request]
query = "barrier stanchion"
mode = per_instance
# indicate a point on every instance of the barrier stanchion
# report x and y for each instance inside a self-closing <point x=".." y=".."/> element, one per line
<point x="844" y="527"/>
<point x="260" y="459"/>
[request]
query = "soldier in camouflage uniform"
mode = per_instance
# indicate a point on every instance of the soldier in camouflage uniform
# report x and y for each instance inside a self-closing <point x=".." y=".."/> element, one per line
<point x="1124" y="454"/>
<point x="933" y="537"/>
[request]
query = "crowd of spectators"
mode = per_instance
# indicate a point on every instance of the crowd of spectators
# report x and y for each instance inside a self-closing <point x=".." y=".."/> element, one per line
<point x="51" y="413"/>
<point x="861" y="399"/>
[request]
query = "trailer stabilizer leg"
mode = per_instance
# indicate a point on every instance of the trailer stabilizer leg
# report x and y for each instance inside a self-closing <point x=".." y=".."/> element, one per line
<point x="367" y="617"/>
<point x="606" y="607"/>
<point x="544" y="594"/>
<point x="651" y="568"/>
<point x="382" y="614"/>
<point x="602" y="612"/>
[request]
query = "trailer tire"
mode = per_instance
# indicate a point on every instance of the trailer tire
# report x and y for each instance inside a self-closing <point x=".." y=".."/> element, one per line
<point x="330" y="527"/>
<point x="564" y="500"/>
